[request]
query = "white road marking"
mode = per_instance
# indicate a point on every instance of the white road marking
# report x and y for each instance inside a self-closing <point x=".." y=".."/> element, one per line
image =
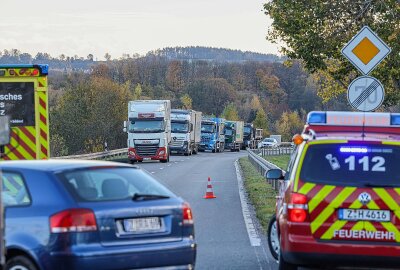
<point x="169" y="165"/>
<point x="162" y="168"/>
<point x="153" y="172"/>
<point x="255" y="240"/>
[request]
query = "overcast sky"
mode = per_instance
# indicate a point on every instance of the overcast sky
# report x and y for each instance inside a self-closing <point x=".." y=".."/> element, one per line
<point x="132" y="26"/>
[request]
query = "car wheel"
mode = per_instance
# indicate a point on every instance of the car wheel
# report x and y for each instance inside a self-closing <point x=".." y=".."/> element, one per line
<point x="20" y="263"/>
<point x="273" y="239"/>
<point x="283" y="265"/>
<point x="131" y="161"/>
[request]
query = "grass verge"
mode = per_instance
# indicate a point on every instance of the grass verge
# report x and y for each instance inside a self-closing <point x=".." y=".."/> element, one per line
<point x="280" y="161"/>
<point x="261" y="194"/>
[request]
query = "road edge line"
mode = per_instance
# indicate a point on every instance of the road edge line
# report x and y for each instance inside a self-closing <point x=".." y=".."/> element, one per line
<point x="255" y="240"/>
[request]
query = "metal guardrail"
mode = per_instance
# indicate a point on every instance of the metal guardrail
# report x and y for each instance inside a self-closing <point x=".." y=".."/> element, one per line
<point x="262" y="166"/>
<point x="274" y="151"/>
<point x="99" y="155"/>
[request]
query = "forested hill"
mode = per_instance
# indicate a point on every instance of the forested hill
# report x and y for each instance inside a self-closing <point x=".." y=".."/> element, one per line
<point x="213" y="54"/>
<point x="65" y="62"/>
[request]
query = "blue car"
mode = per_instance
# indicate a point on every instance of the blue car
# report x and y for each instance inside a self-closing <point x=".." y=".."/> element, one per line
<point x="92" y="215"/>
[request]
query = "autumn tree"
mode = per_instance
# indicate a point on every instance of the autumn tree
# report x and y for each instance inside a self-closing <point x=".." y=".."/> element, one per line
<point x="211" y="95"/>
<point x="261" y="121"/>
<point x="230" y="112"/>
<point x="289" y="124"/>
<point x="316" y="32"/>
<point x="90" y="113"/>
<point x="186" y="102"/>
<point x="174" y="78"/>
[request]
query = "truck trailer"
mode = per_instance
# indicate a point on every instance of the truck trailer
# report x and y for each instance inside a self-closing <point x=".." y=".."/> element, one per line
<point x="234" y="135"/>
<point x="149" y="130"/>
<point x="251" y="136"/>
<point x="185" y="131"/>
<point x="212" y="134"/>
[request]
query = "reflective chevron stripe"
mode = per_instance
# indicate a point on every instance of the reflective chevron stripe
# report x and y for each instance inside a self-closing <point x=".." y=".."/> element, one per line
<point x="43" y="126"/>
<point x="330" y="209"/>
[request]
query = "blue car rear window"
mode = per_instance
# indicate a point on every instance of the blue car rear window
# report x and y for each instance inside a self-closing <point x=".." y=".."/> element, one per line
<point x="104" y="184"/>
<point x="357" y="165"/>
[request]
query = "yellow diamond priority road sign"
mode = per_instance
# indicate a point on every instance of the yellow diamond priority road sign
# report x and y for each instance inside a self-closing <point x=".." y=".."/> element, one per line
<point x="365" y="50"/>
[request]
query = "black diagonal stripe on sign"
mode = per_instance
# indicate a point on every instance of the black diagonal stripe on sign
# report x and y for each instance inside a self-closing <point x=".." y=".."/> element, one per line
<point x="365" y="94"/>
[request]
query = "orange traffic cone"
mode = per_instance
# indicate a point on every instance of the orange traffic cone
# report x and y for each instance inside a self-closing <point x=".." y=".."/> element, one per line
<point x="209" y="192"/>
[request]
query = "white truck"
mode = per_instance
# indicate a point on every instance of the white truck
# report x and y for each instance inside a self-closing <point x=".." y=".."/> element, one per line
<point x="186" y="131"/>
<point x="149" y="130"/>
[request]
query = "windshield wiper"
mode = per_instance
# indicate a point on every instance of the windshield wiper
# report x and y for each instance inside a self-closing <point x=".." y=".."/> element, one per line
<point x="144" y="197"/>
<point x="369" y="184"/>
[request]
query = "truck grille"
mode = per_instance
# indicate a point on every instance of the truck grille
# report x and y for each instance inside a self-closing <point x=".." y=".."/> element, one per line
<point x="177" y="143"/>
<point x="146" y="150"/>
<point x="205" y="139"/>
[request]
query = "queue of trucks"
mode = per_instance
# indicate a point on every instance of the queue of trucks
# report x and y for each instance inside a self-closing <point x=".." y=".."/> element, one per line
<point x="155" y="131"/>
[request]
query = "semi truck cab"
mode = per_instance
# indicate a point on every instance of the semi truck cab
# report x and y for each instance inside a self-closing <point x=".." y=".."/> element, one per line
<point x="185" y="131"/>
<point x="149" y="130"/>
<point x="212" y="135"/>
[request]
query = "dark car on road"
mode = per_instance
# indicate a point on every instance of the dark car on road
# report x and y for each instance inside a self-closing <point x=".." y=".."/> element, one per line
<point x="93" y="215"/>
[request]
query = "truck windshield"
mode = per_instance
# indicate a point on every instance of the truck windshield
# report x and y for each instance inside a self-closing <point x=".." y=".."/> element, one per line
<point x="179" y="127"/>
<point x="228" y="132"/>
<point x="357" y="165"/>
<point x="247" y="130"/>
<point x="208" y="128"/>
<point x="146" y="126"/>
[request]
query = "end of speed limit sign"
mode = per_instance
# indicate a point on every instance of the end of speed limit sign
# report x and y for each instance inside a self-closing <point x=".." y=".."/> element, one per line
<point x="365" y="93"/>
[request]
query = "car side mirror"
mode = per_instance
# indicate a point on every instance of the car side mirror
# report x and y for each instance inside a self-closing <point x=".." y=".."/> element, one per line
<point x="4" y="130"/>
<point x="274" y="174"/>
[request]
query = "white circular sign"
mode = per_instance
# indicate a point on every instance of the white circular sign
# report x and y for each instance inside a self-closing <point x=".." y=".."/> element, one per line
<point x="365" y="93"/>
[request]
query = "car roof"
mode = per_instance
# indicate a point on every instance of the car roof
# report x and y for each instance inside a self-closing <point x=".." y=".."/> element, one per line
<point x="53" y="165"/>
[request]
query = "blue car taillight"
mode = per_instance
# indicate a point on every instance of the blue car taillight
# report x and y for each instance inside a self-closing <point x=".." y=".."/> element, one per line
<point x="187" y="214"/>
<point x="73" y="220"/>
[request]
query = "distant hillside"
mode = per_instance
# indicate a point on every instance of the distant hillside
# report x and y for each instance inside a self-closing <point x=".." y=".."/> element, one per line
<point x="213" y="54"/>
<point x="68" y="63"/>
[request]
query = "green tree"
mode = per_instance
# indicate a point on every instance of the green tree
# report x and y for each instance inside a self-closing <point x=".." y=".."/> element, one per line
<point x="316" y="31"/>
<point x="289" y="124"/>
<point x="57" y="146"/>
<point x="230" y="112"/>
<point x="186" y="101"/>
<point x="261" y="121"/>
<point x="91" y="113"/>
<point x="137" y="93"/>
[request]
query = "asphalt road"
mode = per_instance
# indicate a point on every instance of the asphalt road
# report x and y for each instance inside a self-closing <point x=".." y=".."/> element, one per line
<point x="221" y="234"/>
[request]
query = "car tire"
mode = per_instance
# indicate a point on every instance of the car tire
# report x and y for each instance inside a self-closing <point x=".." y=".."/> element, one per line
<point x="273" y="238"/>
<point x="131" y="161"/>
<point x="283" y="265"/>
<point x="20" y="263"/>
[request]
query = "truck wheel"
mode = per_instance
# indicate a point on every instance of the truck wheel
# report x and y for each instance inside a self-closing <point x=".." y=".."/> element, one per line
<point x="20" y="263"/>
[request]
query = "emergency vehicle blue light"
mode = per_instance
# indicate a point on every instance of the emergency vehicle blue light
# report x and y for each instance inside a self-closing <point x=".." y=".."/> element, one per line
<point x="353" y="150"/>
<point x="395" y="119"/>
<point x="316" y="118"/>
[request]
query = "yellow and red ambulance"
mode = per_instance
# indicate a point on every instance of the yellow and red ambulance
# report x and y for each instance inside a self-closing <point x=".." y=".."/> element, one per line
<point x="339" y="202"/>
<point x="24" y="99"/>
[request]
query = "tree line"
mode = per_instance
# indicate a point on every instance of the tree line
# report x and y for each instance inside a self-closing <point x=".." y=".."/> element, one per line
<point x="87" y="109"/>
